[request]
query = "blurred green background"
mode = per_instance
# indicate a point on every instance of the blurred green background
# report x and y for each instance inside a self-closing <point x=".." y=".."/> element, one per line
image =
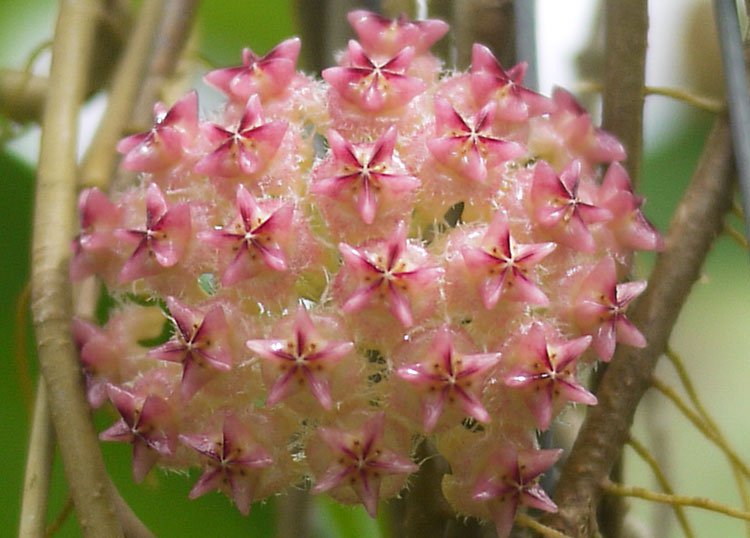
<point x="711" y="334"/>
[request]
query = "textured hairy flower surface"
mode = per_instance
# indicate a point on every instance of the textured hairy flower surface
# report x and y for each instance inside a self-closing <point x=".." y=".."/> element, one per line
<point x="322" y="274"/>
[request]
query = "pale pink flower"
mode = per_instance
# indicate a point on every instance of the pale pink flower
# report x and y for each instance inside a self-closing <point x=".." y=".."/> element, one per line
<point x="384" y="274"/>
<point x="375" y="86"/>
<point x="200" y="344"/>
<point x="490" y="81"/>
<point x="257" y="237"/>
<point x="168" y="140"/>
<point x="303" y="360"/>
<point x="546" y="373"/>
<point x="445" y="377"/>
<point x="364" y="171"/>
<point x="145" y="424"/>
<point x="99" y="218"/>
<point x="469" y="147"/>
<point x="560" y="208"/>
<point x="503" y="265"/>
<point x="361" y="461"/>
<point x="246" y="149"/>
<point x="381" y="35"/>
<point x="233" y="461"/>
<point x="164" y="240"/>
<point x="629" y="226"/>
<point x="599" y="309"/>
<point x="511" y="481"/>
<point x="267" y="76"/>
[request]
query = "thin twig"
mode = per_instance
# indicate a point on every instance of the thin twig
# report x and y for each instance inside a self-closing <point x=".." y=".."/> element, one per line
<point x="675" y="500"/>
<point x="51" y="300"/>
<point x="697" y="221"/>
<point x="38" y="470"/>
<point x="529" y="522"/>
<point x="60" y="519"/>
<point x="701" y="102"/>
<point x="21" y="353"/>
<point x="736" y="235"/>
<point x="101" y="156"/>
<point x="661" y="478"/>
<point x="698" y="422"/>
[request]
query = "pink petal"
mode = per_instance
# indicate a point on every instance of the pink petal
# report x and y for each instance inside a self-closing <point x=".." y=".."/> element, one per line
<point x="472" y="406"/>
<point x="356" y="261"/>
<point x="399" y="305"/>
<point x="367" y="205"/>
<point x="342" y="150"/>
<point x="319" y="387"/>
<point x="144" y="459"/>
<point x="194" y="377"/>
<point x="535" y="497"/>
<point x="628" y="291"/>
<point x="604" y="340"/>
<point x="523" y="290"/>
<point x="176" y="226"/>
<point x="210" y="480"/>
<point x="212" y="335"/>
<point x="361" y="298"/>
<point x="573" y="391"/>
<point x="628" y="334"/>
<point x="333" y="477"/>
<point x="382" y="151"/>
<point x="283" y="387"/>
<point x="503" y="515"/>
<point x="367" y="489"/>
<point x="432" y="408"/>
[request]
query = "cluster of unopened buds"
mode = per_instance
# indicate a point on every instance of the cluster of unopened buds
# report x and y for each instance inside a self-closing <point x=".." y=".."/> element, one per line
<point x="323" y="273"/>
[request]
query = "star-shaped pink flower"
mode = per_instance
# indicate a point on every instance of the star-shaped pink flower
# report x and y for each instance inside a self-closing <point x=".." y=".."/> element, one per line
<point x="99" y="217"/>
<point x="167" y="141"/>
<point x="233" y="460"/>
<point x="468" y="146"/>
<point x="257" y="236"/>
<point x="447" y="377"/>
<point x="599" y="309"/>
<point x="381" y="35"/>
<point x="629" y="225"/>
<point x="374" y="86"/>
<point x="245" y="150"/>
<point x="387" y="276"/>
<point x="361" y="462"/>
<point x="560" y="209"/>
<point x="144" y="424"/>
<point x="365" y="170"/>
<point x="164" y="241"/>
<point x="510" y="481"/>
<point x="302" y="360"/>
<point x="574" y="124"/>
<point x="200" y="344"/>
<point x="547" y="373"/>
<point x="504" y="265"/>
<point x="489" y="80"/>
<point x="266" y="76"/>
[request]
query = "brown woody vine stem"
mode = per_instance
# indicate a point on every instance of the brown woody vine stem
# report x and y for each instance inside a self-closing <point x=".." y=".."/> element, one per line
<point x="51" y="300"/>
<point x="697" y="221"/>
<point x="624" y="76"/>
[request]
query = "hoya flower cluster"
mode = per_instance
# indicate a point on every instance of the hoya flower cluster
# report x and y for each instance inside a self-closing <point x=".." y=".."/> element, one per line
<point x="322" y="273"/>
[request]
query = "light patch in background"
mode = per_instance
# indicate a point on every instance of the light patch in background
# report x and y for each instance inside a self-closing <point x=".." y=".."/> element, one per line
<point x="682" y="53"/>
